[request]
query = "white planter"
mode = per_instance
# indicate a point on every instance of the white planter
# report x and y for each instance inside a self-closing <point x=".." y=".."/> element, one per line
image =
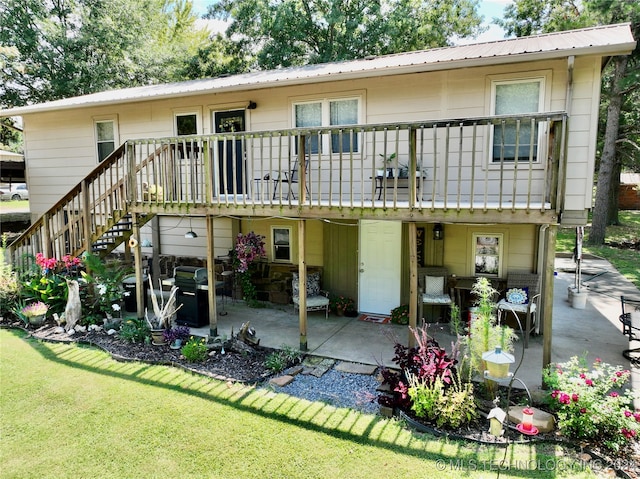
<point x="579" y="300"/>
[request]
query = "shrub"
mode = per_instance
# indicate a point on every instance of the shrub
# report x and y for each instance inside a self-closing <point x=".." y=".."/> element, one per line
<point x="195" y="351"/>
<point x="9" y="284"/>
<point x="425" y="362"/>
<point x="449" y="406"/>
<point x="278" y="360"/>
<point x="341" y="303"/>
<point x="590" y="404"/>
<point x="134" y="330"/>
<point x="400" y="314"/>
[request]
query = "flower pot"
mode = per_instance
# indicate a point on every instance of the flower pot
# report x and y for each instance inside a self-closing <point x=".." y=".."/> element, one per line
<point x="157" y="337"/>
<point x="579" y="299"/>
<point x="37" y="320"/>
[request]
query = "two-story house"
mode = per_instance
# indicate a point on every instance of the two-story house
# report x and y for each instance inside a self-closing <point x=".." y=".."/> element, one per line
<point x="464" y="157"/>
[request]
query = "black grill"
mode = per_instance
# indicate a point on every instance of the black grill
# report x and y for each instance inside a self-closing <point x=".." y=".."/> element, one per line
<point x="195" y="302"/>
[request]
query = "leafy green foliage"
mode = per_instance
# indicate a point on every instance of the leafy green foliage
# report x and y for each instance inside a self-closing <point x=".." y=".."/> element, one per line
<point x="290" y="33"/>
<point x="450" y="407"/>
<point x="9" y="284"/>
<point x="195" y="351"/>
<point x="60" y="49"/>
<point x="279" y="360"/>
<point x="485" y="333"/>
<point x="135" y="330"/>
<point x="400" y="314"/>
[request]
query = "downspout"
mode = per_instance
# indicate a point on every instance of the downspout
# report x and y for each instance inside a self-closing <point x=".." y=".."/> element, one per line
<point x="563" y="168"/>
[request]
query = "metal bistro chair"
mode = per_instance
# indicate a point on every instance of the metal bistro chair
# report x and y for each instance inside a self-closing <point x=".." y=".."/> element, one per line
<point x="288" y="177"/>
<point x="523" y="293"/>
<point x="630" y="319"/>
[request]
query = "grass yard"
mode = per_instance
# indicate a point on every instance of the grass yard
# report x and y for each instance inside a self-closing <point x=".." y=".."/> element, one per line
<point x="624" y="260"/>
<point x="69" y="411"/>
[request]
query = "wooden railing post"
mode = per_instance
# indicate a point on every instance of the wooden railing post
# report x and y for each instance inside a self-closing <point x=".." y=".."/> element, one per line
<point x="46" y="236"/>
<point x="131" y="193"/>
<point x="302" y="170"/>
<point x="86" y="215"/>
<point x="413" y="162"/>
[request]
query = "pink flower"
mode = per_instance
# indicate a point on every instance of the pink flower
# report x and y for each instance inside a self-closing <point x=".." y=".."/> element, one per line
<point x="574" y="396"/>
<point x="614" y="394"/>
<point x="583" y="410"/>
<point x="628" y="433"/>
<point x="583" y="376"/>
<point x="618" y="373"/>
<point x="627" y="414"/>
<point x="554" y="394"/>
<point x="588" y="382"/>
<point x="636" y="416"/>
<point x="564" y="398"/>
<point x="598" y="360"/>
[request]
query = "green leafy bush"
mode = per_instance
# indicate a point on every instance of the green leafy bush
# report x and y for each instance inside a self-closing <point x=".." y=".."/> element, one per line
<point x="195" y="351"/>
<point x="400" y="314"/>
<point x="9" y="284"/>
<point x="590" y="404"/>
<point x="279" y="360"/>
<point x="134" y="330"/>
<point x="448" y="406"/>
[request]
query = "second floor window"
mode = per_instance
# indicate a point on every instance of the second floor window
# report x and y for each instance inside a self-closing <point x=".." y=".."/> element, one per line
<point x="329" y="112"/>
<point x="187" y="124"/>
<point x="514" y="98"/>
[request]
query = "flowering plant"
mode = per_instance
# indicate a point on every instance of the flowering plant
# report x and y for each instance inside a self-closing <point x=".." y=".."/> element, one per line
<point x="400" y="315"/>
<point x="249" y="248"/>
<point x="37" y="308"/>
<point x="590" y="404"/>
<point x="341" y="303"/>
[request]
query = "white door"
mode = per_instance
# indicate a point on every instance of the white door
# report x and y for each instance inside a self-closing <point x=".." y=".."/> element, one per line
<point x="379" y="266"/>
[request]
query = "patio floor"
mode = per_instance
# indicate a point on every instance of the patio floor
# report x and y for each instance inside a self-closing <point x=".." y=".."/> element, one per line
<point x="594" y="331"/>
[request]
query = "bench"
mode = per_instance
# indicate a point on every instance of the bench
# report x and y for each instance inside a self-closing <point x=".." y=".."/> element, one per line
<point x="631" y="311"/>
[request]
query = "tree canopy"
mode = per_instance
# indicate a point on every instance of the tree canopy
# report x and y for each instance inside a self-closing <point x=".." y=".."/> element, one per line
<point x="299" y="32"/>
<point x="619" y="144"/>
<point x="60" y="48"/>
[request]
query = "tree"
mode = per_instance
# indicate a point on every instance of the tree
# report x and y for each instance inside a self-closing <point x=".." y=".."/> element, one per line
<point x="299" y="32"/>
<point x="62" y="48"/>
<point x="620" y="88"/>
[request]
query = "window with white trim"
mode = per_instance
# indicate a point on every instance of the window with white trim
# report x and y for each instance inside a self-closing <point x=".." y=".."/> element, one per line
<point x="281" y="244"/>
<point x="186" y="124"/>
<point x="514" y="97"/>
<point x="329" y="112"/>
<point x="105" y="138"/>
<point x="487" y="254"/>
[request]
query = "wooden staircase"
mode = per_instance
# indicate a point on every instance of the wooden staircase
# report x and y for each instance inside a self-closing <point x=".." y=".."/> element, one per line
<point x="93" y="216"/>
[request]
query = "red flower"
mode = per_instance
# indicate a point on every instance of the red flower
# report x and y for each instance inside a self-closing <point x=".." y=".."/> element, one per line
<point x="583" y="376"/>
<point x="614" y="394"/>
<point x="627" y="414"/>
<point x="618" y="373"/>
<point x="574" y="396"/>
<point x="583" y="410"/>
<point x="588" y="382"/>
<point x="554" y="394"/>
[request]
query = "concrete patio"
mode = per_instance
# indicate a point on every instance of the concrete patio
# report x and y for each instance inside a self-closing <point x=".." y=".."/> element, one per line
<point x="594" y="331"/>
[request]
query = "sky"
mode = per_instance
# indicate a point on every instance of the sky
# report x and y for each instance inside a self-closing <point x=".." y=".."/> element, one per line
<point x="487" y="8"/>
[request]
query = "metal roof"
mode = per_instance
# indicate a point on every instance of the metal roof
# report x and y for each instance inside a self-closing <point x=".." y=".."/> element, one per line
<point x="602" y="40"/>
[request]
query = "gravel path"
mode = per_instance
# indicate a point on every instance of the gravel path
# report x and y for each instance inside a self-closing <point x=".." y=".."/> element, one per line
<point x="356" y="391"/>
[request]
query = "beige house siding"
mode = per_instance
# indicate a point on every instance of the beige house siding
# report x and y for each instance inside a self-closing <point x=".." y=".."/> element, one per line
<point x="60" y="146"/>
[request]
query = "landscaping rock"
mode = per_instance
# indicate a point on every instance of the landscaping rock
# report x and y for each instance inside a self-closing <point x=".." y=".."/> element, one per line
<point x="542" y="420"/>
<point x="281" y="381"/>
<point x="355" y="368"/>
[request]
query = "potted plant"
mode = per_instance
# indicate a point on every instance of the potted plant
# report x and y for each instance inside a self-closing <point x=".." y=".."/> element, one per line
<point x="341" y="304"/>
<point x="35" y="312"/>
<point x="387" y="165"/>
<point x="163" y="313"/>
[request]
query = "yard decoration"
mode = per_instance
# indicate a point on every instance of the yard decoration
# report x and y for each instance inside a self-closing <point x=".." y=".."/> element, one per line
<point x="164" y="312"/>
<point x="73" y="309"/>
<point x="35" y="312"/>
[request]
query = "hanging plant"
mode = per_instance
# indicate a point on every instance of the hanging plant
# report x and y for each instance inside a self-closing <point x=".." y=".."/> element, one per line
<point x="249" y="249"/>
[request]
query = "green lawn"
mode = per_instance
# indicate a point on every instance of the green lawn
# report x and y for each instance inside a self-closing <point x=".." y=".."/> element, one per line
<point x="69" y="411"/>
<point x="624" y="260"/>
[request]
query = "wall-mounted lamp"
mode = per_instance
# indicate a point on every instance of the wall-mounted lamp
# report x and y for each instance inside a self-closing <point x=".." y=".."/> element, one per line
<point x="190" y="234"/>
<point x="438" y="231"/>
<point x="252" y="105"/>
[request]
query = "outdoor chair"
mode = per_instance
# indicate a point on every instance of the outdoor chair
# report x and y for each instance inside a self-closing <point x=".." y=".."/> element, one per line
<point x="630" y="319"/>
<point x="288" y="178"/>
<point x="521" y="298"/>
<point x="432" y="288"/>
<point x="317" y="300"/>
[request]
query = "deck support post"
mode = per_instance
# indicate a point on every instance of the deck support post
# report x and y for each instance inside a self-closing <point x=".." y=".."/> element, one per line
<point x="211" y="278"/>
<point x="413" y="281"/>
<point x="302" y="278"/>
<point x="547" y="293"/>
<point x="134" y="243"/>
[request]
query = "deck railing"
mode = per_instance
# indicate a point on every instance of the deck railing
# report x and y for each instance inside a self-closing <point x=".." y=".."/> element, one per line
<point x="81" y="216"/>
<point x="461" y="164"/>
<point x="444" y="164"/>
